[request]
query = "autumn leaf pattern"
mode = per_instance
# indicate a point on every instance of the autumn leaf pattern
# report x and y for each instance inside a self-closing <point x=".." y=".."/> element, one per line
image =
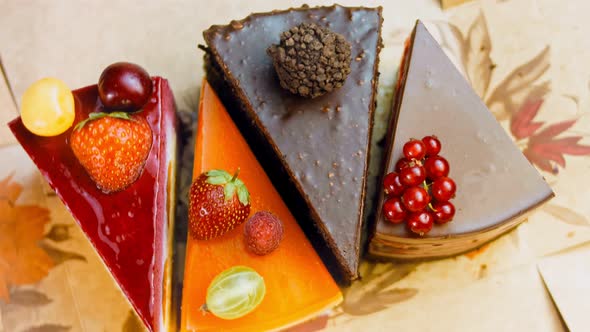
<point x="22" y="260"/>
<point x="518" y="98"/>
<point x="503" y="100"/>
<point x="567" y="215"/>
<point x="28" y="298"/>
<point x="544" y="145"/>
<point x="28" y="253"/>
<point x="48" y="328"/>
<point x="473" y="50"/>
<point x="132" y="323"/>
<point x="477" y="55"/>
<point x="375" y="290"/>
<point x="312" y="325"/>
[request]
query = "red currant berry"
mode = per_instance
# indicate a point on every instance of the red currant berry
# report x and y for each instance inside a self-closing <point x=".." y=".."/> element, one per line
<point x="124" y="86"/>
<point x="443" y="212"/>
<point x="394" y="211"/>
<point x="414" y="149"/>
<point x="412" y="176"/>
<point x="443" y="189"/>
<point x="420" y="222"/>
<point x="432" y="145"/>
<point x="401" y="164"/>
<point x="436" y="167"/>
<point x="415" y="199"/>
<point x="392" y="185"/>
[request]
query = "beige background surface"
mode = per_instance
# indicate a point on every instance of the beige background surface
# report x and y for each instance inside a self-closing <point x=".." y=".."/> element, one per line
<point x="498" y="45"/>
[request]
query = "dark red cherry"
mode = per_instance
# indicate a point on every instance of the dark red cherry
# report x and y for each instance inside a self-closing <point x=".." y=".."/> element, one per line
<point x="436" y="167"/>
<point x="394" y="211"/>
<point x="420" y="222"/>
<point x="443" y="189"/>
<point x="432" y="145"/>
<point x="401" y="164"/>
<point x="443" y="212"/>
<point x="391" y="185"/>
<point x="414" y="149"/>
<point x="412" y="175"/>
<point x="124" y="86"/>
<point x="415" y="199"/>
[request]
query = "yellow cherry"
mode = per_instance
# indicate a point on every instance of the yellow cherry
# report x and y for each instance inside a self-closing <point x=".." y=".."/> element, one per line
<point x="47" y="107"/>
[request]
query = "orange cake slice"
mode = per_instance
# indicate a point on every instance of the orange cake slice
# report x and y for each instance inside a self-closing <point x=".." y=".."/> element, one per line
<point x="298" y="285"/>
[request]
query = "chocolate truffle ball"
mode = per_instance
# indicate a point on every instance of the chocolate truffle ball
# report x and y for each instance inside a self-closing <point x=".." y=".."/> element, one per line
<point x="311" y="60"/>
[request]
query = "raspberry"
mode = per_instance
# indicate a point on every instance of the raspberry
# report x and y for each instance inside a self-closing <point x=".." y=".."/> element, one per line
<point x="263" y="233"/>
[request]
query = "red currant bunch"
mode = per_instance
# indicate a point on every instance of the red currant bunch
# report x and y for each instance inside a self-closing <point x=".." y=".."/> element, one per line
<point x="419" y="190"/>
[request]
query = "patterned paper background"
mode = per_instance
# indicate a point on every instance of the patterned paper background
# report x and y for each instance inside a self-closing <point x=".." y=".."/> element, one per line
<point x="527" y="60"/>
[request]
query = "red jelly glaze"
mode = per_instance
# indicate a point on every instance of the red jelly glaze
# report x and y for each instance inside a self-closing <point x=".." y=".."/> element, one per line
<point x="124" y="227"/>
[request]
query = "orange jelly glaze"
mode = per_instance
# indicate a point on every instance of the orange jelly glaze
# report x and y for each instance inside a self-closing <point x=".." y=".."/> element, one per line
<point x="298" y="286"/>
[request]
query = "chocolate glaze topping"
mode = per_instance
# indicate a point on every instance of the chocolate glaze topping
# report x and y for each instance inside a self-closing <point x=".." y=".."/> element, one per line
<point x="315" y="150"/>
<point x="496" y="185"/>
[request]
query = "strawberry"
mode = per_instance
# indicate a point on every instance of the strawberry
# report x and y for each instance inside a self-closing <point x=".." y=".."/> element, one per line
<point x="113" y="148"/>
<point x="218" y="202"/>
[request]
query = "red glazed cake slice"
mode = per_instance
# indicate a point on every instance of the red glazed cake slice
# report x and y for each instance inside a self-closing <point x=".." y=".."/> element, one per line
<point x="130" y="229"/>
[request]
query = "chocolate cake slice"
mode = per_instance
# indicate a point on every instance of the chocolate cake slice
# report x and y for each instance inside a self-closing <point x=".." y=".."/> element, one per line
<point x="496" y="186"/>
<point x="315" y="150"/>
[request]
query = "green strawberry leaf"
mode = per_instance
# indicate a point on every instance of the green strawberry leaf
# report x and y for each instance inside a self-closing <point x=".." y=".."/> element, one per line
<point x="243" y="194"/>
<point x="216" y="180"/>
<point x="119" y="115"/>
<point x="229" y="190"/>
<point x="218" y="172"/>
<point x="99" y="115"/>
<point x="231" y="184"/>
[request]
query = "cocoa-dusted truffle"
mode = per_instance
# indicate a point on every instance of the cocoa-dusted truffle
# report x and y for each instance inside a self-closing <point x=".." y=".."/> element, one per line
<point x="311" y="60"/>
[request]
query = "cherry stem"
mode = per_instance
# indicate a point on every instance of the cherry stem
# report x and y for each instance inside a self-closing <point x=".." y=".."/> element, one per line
<point x="430" y="206"/>
<point x="235" y="175"/>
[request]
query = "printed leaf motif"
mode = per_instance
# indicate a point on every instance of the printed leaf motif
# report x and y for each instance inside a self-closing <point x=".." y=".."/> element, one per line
<point x="49" y="328"/>
<point x="9" y="190"/>
<point x="543" y="148"/>
<point x="479" y="65"/>
<point x="554" y="130"/>
<point x="29" y="298"/>
<point x="447" y="43"/>
<point x="312" y="325"/>
<point x="542" y="152"/>
<point x="132" y="323"/>
<point x="22" y="260"/>
<point x="373" y="292"/>
<point x="378" y="301"/>
<point x="59" y="232"/>
<point x="566" y="215"/>
<point x="522" y="124"/>
<point x="519" y="79"/>
<point x="59" y="256"/>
